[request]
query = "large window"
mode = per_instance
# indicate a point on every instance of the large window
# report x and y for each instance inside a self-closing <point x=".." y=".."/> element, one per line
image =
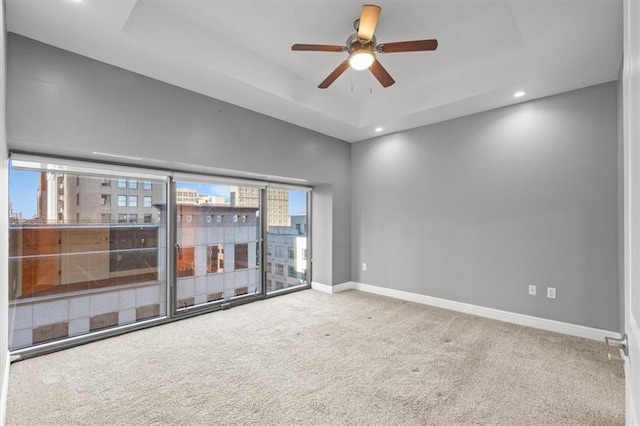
<point x="72" y="270"/>
<point x="89" y="247"/>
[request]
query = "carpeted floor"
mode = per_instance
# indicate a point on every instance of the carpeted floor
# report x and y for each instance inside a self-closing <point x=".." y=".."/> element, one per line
<point x="310" y="358"/>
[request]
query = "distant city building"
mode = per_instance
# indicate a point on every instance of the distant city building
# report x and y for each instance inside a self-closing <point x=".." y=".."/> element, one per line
<point x="14" y="217"/>
<point x="277" y="203"/>
<point x="190" y="197"/>
<point x="212" y="200"/>
<point x="287" y="254"/>
<point x="217" y="256"/>
<point x="65" y="198"/>
<point x="186" y="196"/>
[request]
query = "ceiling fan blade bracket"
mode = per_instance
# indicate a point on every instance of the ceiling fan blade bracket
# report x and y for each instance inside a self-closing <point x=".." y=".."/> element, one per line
<point x="354" y="43"/>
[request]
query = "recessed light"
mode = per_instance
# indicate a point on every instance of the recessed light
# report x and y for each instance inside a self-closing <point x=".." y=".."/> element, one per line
<point x="518" y="94"/>
<point x="378" y="129"/>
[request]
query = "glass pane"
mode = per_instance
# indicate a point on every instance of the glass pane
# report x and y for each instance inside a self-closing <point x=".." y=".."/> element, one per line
<point x="78" y="262"/>
<point x="217" y="233"/>
<point x="287" y="261"/>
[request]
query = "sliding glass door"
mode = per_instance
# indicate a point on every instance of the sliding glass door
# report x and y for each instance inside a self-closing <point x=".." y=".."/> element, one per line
<point x="287" y="244"/>
<point x="217" y="243"/>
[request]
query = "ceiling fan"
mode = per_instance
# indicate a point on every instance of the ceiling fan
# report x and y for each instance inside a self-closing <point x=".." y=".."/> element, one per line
<point x="362" y="47"/>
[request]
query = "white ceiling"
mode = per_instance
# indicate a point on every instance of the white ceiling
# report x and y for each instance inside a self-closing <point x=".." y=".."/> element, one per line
<point x="240" y="52"/>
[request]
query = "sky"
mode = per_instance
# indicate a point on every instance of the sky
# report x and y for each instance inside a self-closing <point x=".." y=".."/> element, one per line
<point x="297" y="199"/>
<point x="23" y="193"/>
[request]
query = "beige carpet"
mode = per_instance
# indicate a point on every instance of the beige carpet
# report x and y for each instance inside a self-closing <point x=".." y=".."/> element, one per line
<point x="311" y="358"/>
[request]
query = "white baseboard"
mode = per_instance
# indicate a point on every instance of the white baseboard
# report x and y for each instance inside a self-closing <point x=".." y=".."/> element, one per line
<point x="4" y="390"/>
<point x="326" y="288"/>
<point x="481" y="311"/>
<point x="349" y="285"/>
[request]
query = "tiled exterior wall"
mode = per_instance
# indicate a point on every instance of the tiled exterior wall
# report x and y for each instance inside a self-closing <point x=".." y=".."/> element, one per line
<point x="201" y="227"/>
<point x="33" y="322"/>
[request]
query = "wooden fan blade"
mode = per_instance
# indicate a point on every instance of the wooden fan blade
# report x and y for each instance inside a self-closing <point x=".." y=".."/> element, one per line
<point x="318" y="47"/>
<point x="381" y="74"/>
<point x="334" y="75"/>
<point x="408" y="46"/>
<point x="368" y="21"/>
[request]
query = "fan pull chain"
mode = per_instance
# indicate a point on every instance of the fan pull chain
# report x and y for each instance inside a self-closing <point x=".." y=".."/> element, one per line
<point x="370" y="84"/>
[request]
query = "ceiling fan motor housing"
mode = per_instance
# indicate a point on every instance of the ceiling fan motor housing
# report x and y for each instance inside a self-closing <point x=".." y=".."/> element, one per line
<point x="353" y="43"/>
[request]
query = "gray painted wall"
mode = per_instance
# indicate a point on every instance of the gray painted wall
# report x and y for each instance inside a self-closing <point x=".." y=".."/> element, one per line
<point x="63" y="103"/>
<point x="476" y="209"/>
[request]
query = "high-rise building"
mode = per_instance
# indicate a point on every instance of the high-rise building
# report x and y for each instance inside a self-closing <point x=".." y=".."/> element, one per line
<point x="287" y="254"/>
<point x="277" y="203"/>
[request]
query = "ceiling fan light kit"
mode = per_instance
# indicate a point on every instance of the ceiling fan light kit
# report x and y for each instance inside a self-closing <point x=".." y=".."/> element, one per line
<point x="362" y="47"/>
<point x="361" y="59"/>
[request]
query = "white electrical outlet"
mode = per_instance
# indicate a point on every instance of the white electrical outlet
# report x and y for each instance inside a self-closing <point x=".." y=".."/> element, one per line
<point x="532" y="290"/>
<point x="551" y="292"/>
<point x="364" y="266"/>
